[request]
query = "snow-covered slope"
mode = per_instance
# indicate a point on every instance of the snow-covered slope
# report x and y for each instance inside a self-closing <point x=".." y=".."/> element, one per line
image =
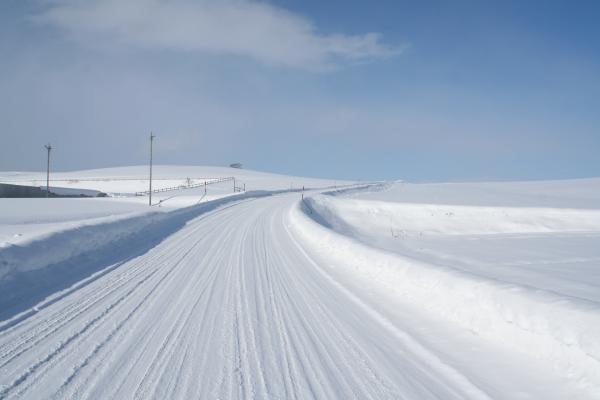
<point x="517" y="273"/>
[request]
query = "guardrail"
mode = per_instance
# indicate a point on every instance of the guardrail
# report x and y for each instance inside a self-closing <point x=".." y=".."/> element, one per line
<point x="209" y="181"/>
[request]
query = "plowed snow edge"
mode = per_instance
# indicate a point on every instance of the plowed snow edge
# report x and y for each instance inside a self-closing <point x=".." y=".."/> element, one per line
<point x="563" y="331"/>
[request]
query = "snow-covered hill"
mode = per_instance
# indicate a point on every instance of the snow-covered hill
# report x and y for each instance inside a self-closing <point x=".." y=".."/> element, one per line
<point x="128" y="180"/>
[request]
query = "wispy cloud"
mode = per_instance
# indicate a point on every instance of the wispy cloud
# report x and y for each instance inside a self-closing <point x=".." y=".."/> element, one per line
<point x="262" y="31"/>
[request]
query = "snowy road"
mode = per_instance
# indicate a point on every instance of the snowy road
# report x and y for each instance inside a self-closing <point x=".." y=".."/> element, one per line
<point x="230" y="306"/>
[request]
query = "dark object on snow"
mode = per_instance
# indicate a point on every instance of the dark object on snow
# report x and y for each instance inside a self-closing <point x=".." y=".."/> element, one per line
<point x="23" y="191"/>
<point x="236" y="165"/>
<point x="8" y="190"/>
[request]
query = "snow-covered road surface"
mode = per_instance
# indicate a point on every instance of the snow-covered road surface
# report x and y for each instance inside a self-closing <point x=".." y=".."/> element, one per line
<point x="233" y="306"/>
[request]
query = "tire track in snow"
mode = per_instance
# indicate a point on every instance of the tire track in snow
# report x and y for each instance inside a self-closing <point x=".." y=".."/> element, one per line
<point x="61" y="350"/>
<point x="90" y="323"/>
<point x="149" y="332"/>
<point x="151" y="378"/>
<point x="65" y="315"/>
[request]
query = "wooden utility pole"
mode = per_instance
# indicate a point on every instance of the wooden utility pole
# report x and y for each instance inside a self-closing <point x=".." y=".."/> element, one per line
<point x="150" y="189"/>
<point x="48" y="147"/>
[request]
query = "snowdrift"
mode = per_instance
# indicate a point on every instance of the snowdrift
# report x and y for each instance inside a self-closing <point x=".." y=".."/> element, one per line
<point x="562" y="330"/>
<point x="351" y="214"/>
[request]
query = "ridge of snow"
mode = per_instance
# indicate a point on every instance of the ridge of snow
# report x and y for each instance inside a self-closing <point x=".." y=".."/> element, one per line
<point x="562" y="330"/>
<point x="57" y="246"/>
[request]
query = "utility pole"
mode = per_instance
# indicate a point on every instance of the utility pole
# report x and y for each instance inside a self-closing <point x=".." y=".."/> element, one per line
<point x="48" y="147"/>
<point x="150" y="189"/>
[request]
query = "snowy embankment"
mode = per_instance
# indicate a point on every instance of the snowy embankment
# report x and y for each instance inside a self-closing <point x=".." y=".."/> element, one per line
<point x="95" y="234"/>
<point x="424" y="219"/>
<point x="550" y="325"/>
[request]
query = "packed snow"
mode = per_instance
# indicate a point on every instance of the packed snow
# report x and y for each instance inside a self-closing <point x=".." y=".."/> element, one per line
<point x="384" y="290"/>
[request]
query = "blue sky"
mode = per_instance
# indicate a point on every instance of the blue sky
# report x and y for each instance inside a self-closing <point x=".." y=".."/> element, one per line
<point x="473" y="90"/>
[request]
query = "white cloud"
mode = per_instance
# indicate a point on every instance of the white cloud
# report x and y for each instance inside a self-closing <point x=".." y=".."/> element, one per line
<point x="248" y="28"/>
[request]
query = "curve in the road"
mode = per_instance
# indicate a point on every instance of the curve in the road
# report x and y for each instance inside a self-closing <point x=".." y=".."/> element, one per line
<point x="228" y="307"/>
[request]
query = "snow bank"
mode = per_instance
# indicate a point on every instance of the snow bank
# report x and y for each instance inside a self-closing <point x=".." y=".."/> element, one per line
<point x="55" y="247"/>
<point x="382" y="216"/>
<point x="61" y="245"/>
<point x="33" y="211"/>
<point x="561" y="330"/>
